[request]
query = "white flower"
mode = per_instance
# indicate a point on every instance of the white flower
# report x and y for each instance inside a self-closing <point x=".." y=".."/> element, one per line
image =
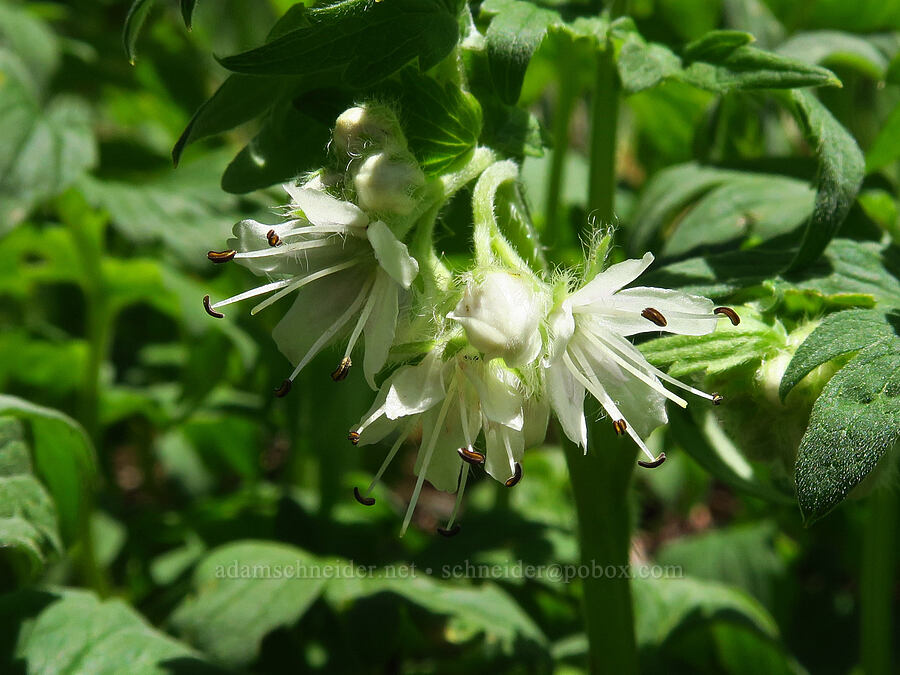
<point x="340" y="266"/>
<point x="589" y="352"/>
<point x="501" y="315"/>
<point x="387" y="182"/>
<point x="454" y="400"/>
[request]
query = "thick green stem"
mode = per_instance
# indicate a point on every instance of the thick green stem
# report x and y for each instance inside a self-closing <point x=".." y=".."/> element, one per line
<point x="879" y="558"/>
<point x="565" y="102"/>
<point x="600" y="481"/>
<point x="604" y="123"/>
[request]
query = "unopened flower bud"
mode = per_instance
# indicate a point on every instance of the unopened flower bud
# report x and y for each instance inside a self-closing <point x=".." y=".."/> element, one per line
<point x="388" y="183"/>
<point x="501" y="315"/>
<point x="363" y="127"/>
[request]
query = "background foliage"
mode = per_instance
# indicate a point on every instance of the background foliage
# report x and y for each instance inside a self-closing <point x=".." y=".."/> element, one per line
<point x="140" y="447"/>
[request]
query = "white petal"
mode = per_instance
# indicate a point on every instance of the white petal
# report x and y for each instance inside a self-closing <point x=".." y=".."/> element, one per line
<point x="501" y="401"/>
<point x="537" y="415"/>
<point x="611" y="280"/>
<point x="392" y="254"/>
<point x="567" y="400"/>
<point x="380" y="326"/>
<point x="443" y="469"/>
<point x="497" y="456"/>
<point x="561" y="326"/>
<point x="321" y="208"/>
<point x="685" y="314"/>
<point x="316" y="307"/>
<point x="415" y="389"/>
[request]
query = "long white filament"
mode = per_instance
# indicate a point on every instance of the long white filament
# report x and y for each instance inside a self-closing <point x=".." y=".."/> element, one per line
<point x="294" y="284"/>
<point x="387" y="461"/>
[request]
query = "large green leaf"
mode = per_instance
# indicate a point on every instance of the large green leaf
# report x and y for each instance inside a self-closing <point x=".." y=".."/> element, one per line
<point x="854" y="422"/>
<point x="841" y="170"/>
<point x="837" y="48"/>
<point x="29" y="530"/>
<point x="63" y="459"/>
<point x="838" y="334"/>
<point x="885" y="149"/>
<point x="32" y="40"/>
<point x="72" y="631"/>
<point x="355" y="42"/>
<point x="134" y="21"/>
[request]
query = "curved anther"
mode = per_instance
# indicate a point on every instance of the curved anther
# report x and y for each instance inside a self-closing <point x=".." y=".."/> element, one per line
<point x="655" y="463"/>
<point x="343" y="369"/>
<point x="516" y="477"/>
<point x="365" y="501"/>
<point x="221" y="256"/>
<point x="730" y="313"/>
<point x="273" y="238"/>
<point x="452" y="532"/>
<point x="353" y="437"/>
<point x="283" y="389"/>
<point x="471" y="456"/>
<point x="209" y="310"/>
<point x="717" y="398"/>
<point x="655" y="316"/>
<point x="621" y="426"/>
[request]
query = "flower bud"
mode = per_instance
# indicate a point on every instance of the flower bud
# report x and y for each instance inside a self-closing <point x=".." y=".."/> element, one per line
<point x="501" y="315"/>
<point x="362" y="127"/>
<point x="388" y="183"/>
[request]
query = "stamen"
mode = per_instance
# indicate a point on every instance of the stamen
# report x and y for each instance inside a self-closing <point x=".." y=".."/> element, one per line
<point x="353" y="437"/>
<point x="365" y="501"/>
<point x="620" y="426"/>
<point x="294" y="284"/>
<point x="432" y="441"/>
<point x="730" y="313"/>
<point x="343" y="369"/>
<point x="717" y="398"/>
<point x="253" y="292"/>
<point x="386" y="462"/>
<point x="283" y="389"/>
<point x="513" y="480"/>
<point x="654" y="316"/>
<point x="452" y="532"/>
<point x="471" y="455"/>
<point x="459" y="495"/>
<point x="221" y="256"/>
<point x="378" y="284"/>
<point x="282" y="250"/>
<point x="210" y="310"/>
<point x="273" y="238"/>
<point x="655" y="463"/>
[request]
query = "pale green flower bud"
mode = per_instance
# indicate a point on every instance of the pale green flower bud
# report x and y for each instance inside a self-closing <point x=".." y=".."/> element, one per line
<point x="361" y="128"/>
<point x="388" y="183"/>
<point x="501" y="315"/>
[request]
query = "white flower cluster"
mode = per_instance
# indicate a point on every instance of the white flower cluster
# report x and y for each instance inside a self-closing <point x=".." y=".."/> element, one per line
<point x="502" y="348"/>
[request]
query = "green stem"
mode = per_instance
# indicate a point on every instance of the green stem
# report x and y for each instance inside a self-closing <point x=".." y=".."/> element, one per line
<point x="562" y="115"/>
<point x="604" y="123"/>
<point x="600" y="486"/>
<point x="879" y="556"/>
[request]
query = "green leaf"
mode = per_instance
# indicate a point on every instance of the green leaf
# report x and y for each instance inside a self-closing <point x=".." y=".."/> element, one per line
<point x="841" y="170"/>
<point x="134" y="21"/>
<point x="72" y="631"/>
<point x="355" y="42"/>
<point x="854" y="422"/>
<point x="838" y="334"/>
<point x="837" y="48"/>
<point x="514" y="34"/>
<point x="32" y="41"/>
<point x="187" y="11"/>
<point x="238" y="598"/>
<point x="442" y="123"/>
<point x="29" y="530"/>
<point x="716" y="45"/>
<point x="885" y="149"/>
<point x="63" y="459"/>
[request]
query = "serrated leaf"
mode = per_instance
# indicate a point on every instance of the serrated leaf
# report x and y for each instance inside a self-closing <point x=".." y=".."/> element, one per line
<point x="514" y="34"/>
<point x="836" y="47"/>
<point x="134" y="21"/>
<point x="643" y="65"/>
<point x="841" y="170"/>
<point x="838" y="334"/>
<point x="854" y="422"/>
<point x="237" y="600"/>
<point x="63" y="459"/>
<point x="72" y="631"/>
<point x="354" y="42"/>
<point x="442" y="123"/>
<point x="187" y="11"/>
<point x="29" y="529"/>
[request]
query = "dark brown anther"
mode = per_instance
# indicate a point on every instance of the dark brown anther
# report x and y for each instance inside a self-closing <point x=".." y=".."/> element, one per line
<point x="343" y="369"/>
<point x="620" y="426"/>
<point x="284" y="389"/>
<point x="209" y="310"/>
<point x="221" y="256"/>
<point x="654" y="316"/>
<point x="471" y="456"/>
<point x="365" y="501"/>
<point x="273" y="238"/>
<point x="515" y="478"/>
<point x="452" y="532"/>
<point x="655" y="463"/>
<point x="730" y="313"/>
<point x="717" y="399"/>
<point x="353" y="437"/>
